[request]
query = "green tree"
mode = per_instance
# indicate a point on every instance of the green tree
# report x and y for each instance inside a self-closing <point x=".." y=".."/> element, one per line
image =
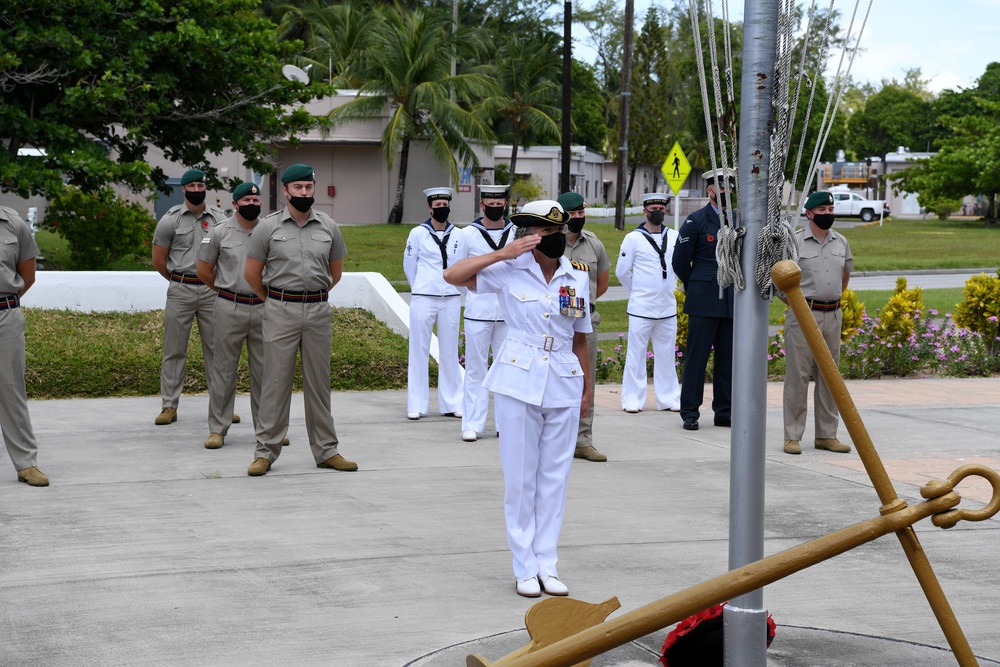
<point x="337" y="38"/>
<point x="96" y="84"/>
<point x="409" y="73"/>
<point x="587" y="108"/>
<point x="527" y="91"/>
<point x="649" y="114"/>
<point x="894" y="116"/>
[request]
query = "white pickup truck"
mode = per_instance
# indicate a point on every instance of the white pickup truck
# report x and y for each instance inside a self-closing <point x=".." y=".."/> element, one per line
<point x="851" y="204"/>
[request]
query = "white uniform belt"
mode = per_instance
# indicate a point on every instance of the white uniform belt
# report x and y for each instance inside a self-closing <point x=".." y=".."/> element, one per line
<point x="542" y="341"/>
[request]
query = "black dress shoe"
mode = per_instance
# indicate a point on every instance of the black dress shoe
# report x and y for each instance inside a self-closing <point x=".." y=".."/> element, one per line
<point x="690" y="424"/>
<point x="723" y="421"/>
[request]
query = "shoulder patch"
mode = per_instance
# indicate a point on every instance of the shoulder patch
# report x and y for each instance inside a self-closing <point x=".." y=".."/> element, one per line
<point x="580" y="266"/>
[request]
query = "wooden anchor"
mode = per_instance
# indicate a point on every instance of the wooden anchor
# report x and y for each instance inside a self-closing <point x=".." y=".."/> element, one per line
<point x="557" y="645"/>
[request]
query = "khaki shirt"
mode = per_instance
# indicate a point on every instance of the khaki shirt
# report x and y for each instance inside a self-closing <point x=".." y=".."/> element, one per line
<point x="225" y="246"/>
<point x="589" y="250"/>
<point x="297" y="258"/>
<point x="823" y="263"/>
<point x="181" y="233"/>
<point x="16" y="246"/>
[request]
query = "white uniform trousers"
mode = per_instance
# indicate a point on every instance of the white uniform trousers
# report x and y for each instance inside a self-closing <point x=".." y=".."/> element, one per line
<point x="425" y="312"/>
<point x="289" y="328"/>
<point x="15" y="422"/>
<point x="536" y="452"/>
<point x="799" y="363"/>
<point x="479" y="338"/>
<point x="235" y="323"/>
<point x="665" y="384"/>
<point x="184" y="303"/>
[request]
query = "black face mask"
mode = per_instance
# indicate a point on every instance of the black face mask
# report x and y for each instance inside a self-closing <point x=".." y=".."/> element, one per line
<point x="494" y="213"/>
<point x="441" y="213"/>
<point x="553" y="245"/>
<point x="823" y="220"/>
<point x="301" y="204"/>
<point x="575" y="225"/>
<point x="656" y="218"/>
<point x="250" y="211"/>
<point x="196" y="198"/>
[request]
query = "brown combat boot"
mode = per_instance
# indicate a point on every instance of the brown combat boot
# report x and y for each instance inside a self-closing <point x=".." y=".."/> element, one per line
<point x="167" y="416"/>
<point x="215" y="441"/>
<point x="792" y="447"/>
<point x="33" y="476"/>
<point x="259" y="467"/>
<point x="589" y="453"/>
<point x="338" y="462"/>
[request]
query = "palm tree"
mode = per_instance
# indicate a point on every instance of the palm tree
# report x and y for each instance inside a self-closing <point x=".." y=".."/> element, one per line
<point x="408" y="71"/>
<point x="528" y="94"/>
<point x="337" y="37"/>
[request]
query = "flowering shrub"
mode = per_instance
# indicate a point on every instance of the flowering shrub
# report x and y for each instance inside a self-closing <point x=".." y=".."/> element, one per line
<point x="980" y="309"/>
<point x="853" y="310"/>
<point x="898" y="317"/>
<point x="99" y="228"/>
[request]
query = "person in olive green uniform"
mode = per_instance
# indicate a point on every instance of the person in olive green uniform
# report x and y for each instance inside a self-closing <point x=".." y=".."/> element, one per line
<point x="239" y="313"/>
<point x="826" y="262"/>
<point x="176" y="241"/>
<point x="304" y="252"/>
<point x="585" y="249"/>
<point x="17" y="273"/>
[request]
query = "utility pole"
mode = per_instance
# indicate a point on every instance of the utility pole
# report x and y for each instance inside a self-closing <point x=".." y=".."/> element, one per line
<point x="623" y="125"/>
<point x="564" y="180"/>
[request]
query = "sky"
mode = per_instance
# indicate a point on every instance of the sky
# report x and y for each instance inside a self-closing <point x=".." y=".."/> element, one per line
<point x="951" y="41"/>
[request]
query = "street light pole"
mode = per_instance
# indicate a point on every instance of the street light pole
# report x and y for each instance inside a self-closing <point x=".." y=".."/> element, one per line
<point x="623" y="124"/>
<point x="564" y="180"/>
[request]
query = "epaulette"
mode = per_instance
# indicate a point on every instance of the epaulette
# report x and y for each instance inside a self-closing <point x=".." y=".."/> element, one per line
<point x="8" y="213"/>
<point x="175" y="208"/>
<point x="580" y="266"/>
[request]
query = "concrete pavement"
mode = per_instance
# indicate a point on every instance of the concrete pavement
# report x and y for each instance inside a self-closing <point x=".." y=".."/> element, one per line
<point x="150" y="550"/>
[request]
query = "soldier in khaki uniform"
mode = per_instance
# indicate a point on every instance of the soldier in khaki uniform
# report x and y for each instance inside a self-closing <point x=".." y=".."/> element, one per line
<point x="304" y="252"/>
<point x="17" y="273"/>
<point x="584" y="248"/>
<point x="826" y="263"/>
<point x="239" y="313"/>
<point x="178" y="236"/>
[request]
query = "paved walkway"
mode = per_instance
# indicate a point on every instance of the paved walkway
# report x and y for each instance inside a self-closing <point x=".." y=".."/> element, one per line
<point x="150" y="550"/>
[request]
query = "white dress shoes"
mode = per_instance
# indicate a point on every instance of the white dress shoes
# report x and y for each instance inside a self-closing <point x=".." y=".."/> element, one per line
<point x="528" y="588"/>
<point x="632" y="411"/>
<point x="413" y="415"/>
<point x="552" y="586"/>
<point x="469" y="436"/>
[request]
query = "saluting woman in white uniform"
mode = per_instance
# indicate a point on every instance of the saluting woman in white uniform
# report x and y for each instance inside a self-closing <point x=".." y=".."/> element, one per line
<point x="539" y="380"/>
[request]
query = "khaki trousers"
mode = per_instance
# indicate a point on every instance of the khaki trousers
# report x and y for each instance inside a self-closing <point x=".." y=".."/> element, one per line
<point x="799" y="364"/>
<point x="289" y="328"/>
<point x="585" y="433"/>
<point x="15" y="422"/>
<point x="184" y="304"/>
<point x="234" y="324"/>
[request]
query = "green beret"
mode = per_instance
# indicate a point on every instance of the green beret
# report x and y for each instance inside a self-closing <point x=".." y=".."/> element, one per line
<point x="244" y="189"/>
<point x="571" y="201"/>
<point x="192" y="176"/>
<point x="298" y="172"/>
<point x="818" y="199"/>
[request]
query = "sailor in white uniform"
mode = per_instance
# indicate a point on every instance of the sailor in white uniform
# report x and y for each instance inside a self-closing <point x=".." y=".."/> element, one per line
<point x="484" y="325"/>
<point x="644" y="269"/>
<point x="539" y="379"/>
<point x="430" y="248"/>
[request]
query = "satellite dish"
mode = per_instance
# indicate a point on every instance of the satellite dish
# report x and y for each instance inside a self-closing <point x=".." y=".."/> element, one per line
<point x="293" y="73"/>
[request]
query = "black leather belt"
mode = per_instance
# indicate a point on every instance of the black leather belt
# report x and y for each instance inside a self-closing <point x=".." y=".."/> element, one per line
<point x="236" y="297"/>
<point x="185" y="278"/>
<point x="298" y="297"/>
<point x="10" y="301"/>
<point x="593" y="307"/>
<point x="823" y="305"/>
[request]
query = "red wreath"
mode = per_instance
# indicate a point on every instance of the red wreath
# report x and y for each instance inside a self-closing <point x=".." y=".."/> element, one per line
<point x="697" y="640"/>
<point x="204" y="223"/>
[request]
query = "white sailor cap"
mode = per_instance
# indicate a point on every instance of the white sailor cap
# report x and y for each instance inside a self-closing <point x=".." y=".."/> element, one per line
<point x="655" y="198"/>
<point x="728" y="174"/>
<point x="489" y="191"/>
<point x="439" y="193"/>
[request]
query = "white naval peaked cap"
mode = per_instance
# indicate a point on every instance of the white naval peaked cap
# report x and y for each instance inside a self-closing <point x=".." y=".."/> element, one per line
<point x="439" y="193"/>
<point x="490" y="191"/>
<point x="655" y="198"/>
<point x="727" y="173"/>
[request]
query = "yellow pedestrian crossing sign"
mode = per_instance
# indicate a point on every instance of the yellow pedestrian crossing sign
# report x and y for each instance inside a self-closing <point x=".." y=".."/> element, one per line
<point x="676" y="168"/>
